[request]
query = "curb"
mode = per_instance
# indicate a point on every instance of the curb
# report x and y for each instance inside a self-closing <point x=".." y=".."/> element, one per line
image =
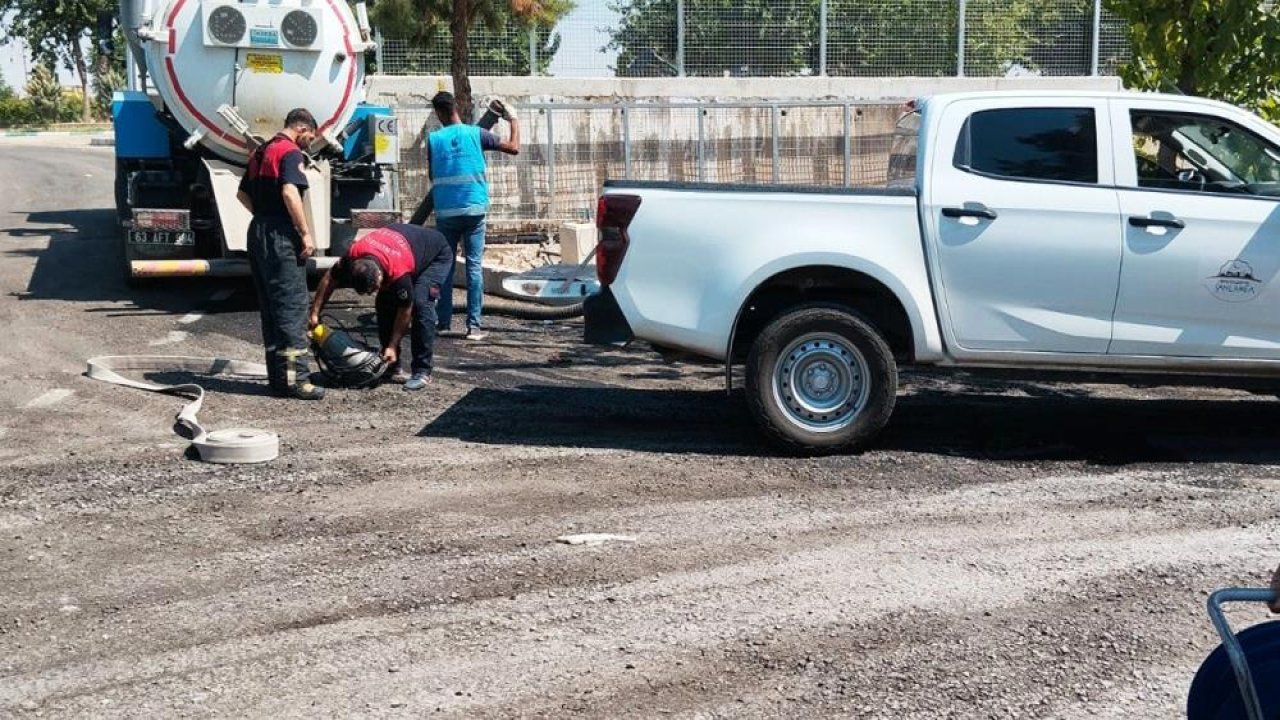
<point x="105" y="134"/>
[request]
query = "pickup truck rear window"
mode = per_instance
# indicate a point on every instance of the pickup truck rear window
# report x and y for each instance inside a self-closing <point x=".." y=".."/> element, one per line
<point x="1052" y="144"/>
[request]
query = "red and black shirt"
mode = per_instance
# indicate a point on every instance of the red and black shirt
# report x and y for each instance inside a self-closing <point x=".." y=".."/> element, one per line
<point x="405" y="253"/>
<point x="274" y="164"/>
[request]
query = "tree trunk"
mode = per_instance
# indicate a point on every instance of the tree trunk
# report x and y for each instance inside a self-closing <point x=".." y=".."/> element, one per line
<point x="82" y="69"/>
<point x="459" y="61"/>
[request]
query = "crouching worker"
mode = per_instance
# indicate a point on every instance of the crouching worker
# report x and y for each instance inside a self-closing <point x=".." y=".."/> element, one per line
<point x="406" y="266"/>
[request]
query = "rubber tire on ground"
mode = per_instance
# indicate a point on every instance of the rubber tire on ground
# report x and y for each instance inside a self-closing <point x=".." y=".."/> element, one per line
<point x="846" y="323"/>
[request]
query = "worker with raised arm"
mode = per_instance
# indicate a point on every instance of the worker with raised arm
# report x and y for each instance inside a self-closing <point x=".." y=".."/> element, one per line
<point x="279" y="244"/>
<point x="460" y="191"/>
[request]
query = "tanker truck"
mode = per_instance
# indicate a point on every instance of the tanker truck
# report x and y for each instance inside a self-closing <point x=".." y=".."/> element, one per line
<point x="210" y="80"/>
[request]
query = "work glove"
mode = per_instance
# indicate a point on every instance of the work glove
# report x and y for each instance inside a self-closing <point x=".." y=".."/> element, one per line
<point x="500" y="108"/>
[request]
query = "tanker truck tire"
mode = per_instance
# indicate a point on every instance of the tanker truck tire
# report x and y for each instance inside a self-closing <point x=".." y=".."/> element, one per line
<point x="821" y="380"/>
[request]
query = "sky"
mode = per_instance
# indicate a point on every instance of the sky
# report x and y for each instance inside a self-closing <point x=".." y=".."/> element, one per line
<point x="581" y="39"/>
<point x="15" y="63"/>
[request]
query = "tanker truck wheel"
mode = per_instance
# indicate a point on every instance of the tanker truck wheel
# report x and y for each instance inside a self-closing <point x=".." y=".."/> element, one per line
<point x="821" y="379"/>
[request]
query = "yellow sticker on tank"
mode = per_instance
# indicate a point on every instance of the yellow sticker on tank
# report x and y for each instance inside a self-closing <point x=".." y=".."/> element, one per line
<point x="265" y="63"/>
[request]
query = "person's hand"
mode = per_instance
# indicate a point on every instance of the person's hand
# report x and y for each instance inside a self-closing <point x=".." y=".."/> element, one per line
<point x="390" y="355"/>
<point x="308" y="246"/>
<point x="503" y="111"/>
<point x="1275" y="585"/>
<point x="313" y="321"/>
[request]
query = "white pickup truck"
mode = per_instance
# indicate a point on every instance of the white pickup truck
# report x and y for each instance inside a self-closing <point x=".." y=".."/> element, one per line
<point x="1098" y="232"/>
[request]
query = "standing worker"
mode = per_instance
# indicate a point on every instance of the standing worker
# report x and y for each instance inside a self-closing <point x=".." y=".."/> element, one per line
<point x="460" y="191"/>
<point x="406" y="265"/>
<point x="279" y="244"/>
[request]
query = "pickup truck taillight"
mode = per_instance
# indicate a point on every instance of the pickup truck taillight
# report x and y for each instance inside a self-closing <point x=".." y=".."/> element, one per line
<point x="613" y="215"/>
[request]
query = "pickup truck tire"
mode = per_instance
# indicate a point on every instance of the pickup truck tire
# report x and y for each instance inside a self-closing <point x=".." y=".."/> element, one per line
<point x="820" y="379"/>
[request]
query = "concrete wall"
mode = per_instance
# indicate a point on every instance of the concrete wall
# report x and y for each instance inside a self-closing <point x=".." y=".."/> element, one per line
<point x="419" y="89"/>
<point x="574" y="129"/>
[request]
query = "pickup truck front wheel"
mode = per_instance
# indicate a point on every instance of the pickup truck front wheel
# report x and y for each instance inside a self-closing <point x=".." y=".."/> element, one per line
<point x="820" y="379"/>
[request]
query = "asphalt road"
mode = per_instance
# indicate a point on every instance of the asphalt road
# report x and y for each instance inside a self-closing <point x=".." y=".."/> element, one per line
<point x="1010" y="549"/>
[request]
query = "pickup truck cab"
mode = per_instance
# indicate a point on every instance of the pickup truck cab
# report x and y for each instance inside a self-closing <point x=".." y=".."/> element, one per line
<point x="1098" y="232"/>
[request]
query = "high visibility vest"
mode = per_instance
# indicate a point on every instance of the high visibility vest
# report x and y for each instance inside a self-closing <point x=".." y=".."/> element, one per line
<point x="458" y="183"/>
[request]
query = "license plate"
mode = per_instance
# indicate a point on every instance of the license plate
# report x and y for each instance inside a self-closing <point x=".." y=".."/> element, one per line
<point x="161" y="237"/>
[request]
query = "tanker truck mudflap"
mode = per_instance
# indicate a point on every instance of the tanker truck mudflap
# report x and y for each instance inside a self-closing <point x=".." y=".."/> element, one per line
<point x="224" y="179"/>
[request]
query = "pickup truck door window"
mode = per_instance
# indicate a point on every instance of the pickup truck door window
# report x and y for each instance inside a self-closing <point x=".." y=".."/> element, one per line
<point x="1201" y="198"/>
<point x="1027" y="225"/>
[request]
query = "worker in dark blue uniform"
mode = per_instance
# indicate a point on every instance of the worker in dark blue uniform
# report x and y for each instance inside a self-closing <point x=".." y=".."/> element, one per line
<point x="460" y="191"/>
<point x="405" y="265"/>
<point x="280" y="242"/>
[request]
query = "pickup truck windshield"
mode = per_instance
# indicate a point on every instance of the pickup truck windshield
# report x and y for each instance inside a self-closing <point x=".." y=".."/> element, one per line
<point x="1195" y="152"/>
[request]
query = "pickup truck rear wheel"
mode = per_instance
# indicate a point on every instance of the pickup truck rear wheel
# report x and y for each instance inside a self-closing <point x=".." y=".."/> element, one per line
<point x="821" y="379"/>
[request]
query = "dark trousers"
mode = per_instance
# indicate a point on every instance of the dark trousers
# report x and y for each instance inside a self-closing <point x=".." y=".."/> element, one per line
<point x="422" y="331"/>
<point x="280" y="278"/>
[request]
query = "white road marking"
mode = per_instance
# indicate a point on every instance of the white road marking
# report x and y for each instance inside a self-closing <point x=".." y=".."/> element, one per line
<point x="49" y="399"/>
<point x="4" y="431"/>
<point x="174" y="337"/>
<point x="218" y="296"/>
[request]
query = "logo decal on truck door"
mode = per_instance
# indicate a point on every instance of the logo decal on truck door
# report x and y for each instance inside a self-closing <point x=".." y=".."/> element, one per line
<point x="1235" y="283"/>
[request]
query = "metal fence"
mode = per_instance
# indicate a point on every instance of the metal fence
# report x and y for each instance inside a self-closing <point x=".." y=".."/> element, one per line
<point x="769" y="38"/>
<point x="569" y="150"/>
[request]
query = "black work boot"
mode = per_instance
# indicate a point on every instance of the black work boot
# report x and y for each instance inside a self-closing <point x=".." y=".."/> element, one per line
<point x="298" y="378"/>
<point x="277" y="372"/>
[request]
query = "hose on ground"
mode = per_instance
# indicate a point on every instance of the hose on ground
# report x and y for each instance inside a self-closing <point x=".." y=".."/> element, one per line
<point x="507" y="307"/>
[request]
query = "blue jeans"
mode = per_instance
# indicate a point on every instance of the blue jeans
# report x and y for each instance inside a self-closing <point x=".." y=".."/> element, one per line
<point x="422" y="331"/>
<point x="467" y="230"/>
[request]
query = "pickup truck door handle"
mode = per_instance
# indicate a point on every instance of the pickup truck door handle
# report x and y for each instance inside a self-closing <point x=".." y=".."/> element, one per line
<point x="1150" y="222"/>
<point x="973" y="212"/>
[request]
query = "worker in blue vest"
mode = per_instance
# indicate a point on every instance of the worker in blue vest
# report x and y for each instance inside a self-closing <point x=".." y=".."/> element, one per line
<point x="460" y="191"/>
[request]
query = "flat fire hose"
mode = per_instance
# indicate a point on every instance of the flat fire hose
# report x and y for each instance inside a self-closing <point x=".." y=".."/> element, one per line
<point x="230" y="446"/>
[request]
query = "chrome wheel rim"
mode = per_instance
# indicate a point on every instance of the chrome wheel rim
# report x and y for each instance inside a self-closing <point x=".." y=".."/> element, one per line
<point x="821" y="382"/>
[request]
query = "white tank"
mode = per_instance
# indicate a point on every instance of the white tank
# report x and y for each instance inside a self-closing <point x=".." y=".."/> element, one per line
<point x="261" y="58"/>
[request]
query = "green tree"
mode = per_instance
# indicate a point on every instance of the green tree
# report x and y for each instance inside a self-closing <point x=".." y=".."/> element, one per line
<point x="1224" y="49"/>
<point x="108" y="73"/>
<point x="105" y="86"/>
<point x="45" y="95"/>
<point x="423" y="22"/>
<point x="56" y="31"/>
<point x="13" y="109"/>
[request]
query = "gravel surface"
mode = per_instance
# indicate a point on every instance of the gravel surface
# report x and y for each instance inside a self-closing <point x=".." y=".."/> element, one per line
<point x="1009" y="549"/>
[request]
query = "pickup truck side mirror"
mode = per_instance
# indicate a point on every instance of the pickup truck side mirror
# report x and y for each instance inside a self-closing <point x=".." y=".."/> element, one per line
<point x="1192" y="177"/>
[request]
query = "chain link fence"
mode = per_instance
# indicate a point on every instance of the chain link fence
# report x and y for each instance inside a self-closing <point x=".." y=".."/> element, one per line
<point x="569" y="150"/>
<point x="772" y="38"/>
